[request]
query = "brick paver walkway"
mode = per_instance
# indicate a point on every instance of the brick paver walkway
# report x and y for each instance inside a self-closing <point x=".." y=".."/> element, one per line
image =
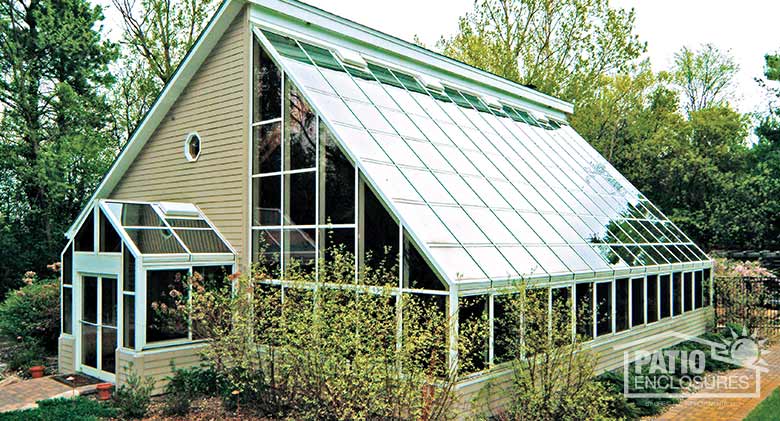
<point x="720" y="409"/>
<point x="24" y="394"/>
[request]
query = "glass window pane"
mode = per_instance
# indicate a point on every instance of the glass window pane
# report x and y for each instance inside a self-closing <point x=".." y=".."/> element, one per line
<point x="337" y="179"/>
<point x="300" y="251"/>
<point x="128" y="271"/>
<point x="202" y="241"/>
<point x="135" y="214"/>
<point x="521" y="260"/>
<point x="89" y="299"/>
<point x="492" y="262"/>
<point x="698" y="289"/>
<point x="461" y="225"/>
<point x="267" y="86"/>
<point x="425" y="224"/>
<point x="637" y="301"/>
<point x="548" y="260"/>
<point x="603" y="308"/>
<point x="472" y="320"/>
<point x="593" y="259"/>
<point x="67" y="265"/>
<point x="154" y="241"/>
<point x="706" y="286"/>
<point x="571" y="259"/>
<point x="337" y="253"/>
<point x="109" y="302"/>
<point x="300" y="198"/>
<point x="457" y="264"/>
<point x="428" y="186"/>
<point x="493" y="228"/>
<point x="417" y="272"/>
<point x="267" y="148"/>
<point x="85" y="237"/>
<point x="677" y="289"/>
<point x="109" y="239"/>
<point x="67" y="310"/>
<point x="542" y="228"/>
<point x="267" y="200"/>
<point x="287" y="47"/>
<point x="380" y="235"/>
<point x="621" y="305"/>
<point x="266" y="251"/>
<point x="666" y="296"/>
<point x="652" y="298"/>
<point x="300" y="131"/>
<point x="688" y="291"/>
<point x="519" y="228"/>
<point x="89" y="345"/>
<point x="163" y="320"/>
<point x="584" y="303"/>
<point x="128" y="320"/>
<point x="187" y="223"/>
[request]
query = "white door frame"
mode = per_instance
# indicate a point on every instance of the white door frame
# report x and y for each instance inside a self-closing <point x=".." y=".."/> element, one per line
<point x="95" y="371"/>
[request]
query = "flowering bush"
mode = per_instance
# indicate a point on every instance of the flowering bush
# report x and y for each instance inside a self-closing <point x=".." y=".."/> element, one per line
<point x="31" y="314"/>
<point x="729" y="268"/>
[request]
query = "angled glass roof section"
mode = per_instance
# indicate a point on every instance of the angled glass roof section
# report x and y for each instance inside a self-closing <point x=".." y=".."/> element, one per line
<point x="492" y="192"/>
<point x="166" y="229"/>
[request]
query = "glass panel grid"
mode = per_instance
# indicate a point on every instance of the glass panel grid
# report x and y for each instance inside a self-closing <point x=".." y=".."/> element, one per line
<point x="565" y="183"/>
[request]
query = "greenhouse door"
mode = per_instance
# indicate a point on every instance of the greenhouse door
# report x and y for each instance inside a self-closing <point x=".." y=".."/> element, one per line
<point x="99" y="326"/>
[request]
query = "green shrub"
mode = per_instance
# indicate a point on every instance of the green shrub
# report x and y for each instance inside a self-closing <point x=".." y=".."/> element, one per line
<point x="31" y="314"/>
<point x="60" y="409"/>
<point x="187" y="384"/>
<point x="23" y="355"/>
<point x="132" y="399"/>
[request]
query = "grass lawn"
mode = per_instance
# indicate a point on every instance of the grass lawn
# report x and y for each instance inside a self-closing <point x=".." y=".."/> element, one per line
<point x="768" y="409"/>
<point x="79" y="409"/>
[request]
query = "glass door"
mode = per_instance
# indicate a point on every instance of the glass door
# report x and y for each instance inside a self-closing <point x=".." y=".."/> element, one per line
<point x="99" y="325"/>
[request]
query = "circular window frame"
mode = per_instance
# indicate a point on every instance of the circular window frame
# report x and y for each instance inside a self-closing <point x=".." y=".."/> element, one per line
<point x="188" y="141"/>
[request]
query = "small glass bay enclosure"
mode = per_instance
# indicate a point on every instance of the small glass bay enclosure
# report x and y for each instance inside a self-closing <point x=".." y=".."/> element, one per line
<point x="469" y="193"/>
<point x="122" y="264"/>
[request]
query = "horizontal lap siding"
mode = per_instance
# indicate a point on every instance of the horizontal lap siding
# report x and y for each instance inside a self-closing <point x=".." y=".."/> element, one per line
<point x="65" y="355"/>
<point x="157" y="364"/>
<point x="483" y="396"/>
<point x="215" y="105"/>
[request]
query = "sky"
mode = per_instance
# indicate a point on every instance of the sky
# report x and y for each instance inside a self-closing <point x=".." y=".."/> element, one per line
<point x="747" y="28"/>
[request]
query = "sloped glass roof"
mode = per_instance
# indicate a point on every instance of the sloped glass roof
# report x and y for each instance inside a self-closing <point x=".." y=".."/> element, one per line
<point x="492" y="191"/>
<point x="165" y="228"/>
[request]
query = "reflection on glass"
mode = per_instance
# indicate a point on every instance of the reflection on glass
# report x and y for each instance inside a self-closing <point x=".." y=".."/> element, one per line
<point x="584" y="305"/>
<point x="300" y="131"/>
<point x="621" y="304"/>
<point x="300" y="198"/>
<point x="89" y="345"/>
<point x="202" y="241"/>
<point x="90" y="299"/>
<point x="267" y="148"/>
<point x="109" y="306"/>
<point x="267" y="86"/>
<point x="108" y="349"/>
<point x="163" y="322"/>
<point x="267" y="200"/>
<point x="154" y="241"/>
<point x="266" y="251"/>
<point x="299" y="250"/>
<point x="652" y="298"/>
<point x="603" y="308"/>
<point x="337" y="179"/>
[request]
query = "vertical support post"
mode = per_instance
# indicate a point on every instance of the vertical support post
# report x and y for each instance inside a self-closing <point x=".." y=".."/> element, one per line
<point x="452" y="308"/>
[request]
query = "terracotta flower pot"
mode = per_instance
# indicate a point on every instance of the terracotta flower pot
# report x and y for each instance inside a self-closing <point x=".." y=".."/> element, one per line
<point x="104" y="391"/>
<point x="37" y="371"/>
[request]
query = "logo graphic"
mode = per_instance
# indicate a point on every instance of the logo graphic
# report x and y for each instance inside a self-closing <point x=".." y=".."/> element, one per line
<point x="730" y="368"/>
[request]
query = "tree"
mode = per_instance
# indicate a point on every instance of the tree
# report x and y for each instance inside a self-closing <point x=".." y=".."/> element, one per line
<point x="705" y="77"/>
<point x="157" y="35"/>
<point x="563" y="48"/>
<point x="55" y="141"/>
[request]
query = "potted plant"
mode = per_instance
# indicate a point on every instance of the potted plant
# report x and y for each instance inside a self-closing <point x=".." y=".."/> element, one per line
<point x="104" y="391"/>
<point x="36" y="371"/>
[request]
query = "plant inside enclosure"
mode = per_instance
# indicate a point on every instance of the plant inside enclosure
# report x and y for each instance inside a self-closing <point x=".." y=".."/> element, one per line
<point x="337" y="346"/>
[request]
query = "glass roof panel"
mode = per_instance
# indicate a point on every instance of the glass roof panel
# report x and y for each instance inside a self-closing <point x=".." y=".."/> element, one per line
<point x="155" y="241"/>
<point x="480" y="180"/>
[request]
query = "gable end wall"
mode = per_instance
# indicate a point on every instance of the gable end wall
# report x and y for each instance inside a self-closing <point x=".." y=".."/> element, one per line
<point x="215" y="105"/>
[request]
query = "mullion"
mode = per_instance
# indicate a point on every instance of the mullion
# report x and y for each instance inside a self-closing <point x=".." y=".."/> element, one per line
<point x="346" y="103"/>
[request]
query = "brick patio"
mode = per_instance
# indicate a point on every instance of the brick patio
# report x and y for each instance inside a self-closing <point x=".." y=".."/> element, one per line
<point x="719" y="409"/>
<point x="24" y="394"/>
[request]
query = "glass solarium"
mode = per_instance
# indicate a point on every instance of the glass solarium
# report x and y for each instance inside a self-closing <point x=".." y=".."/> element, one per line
<point x="490" y="191"/>
<point x="165" y="228"/>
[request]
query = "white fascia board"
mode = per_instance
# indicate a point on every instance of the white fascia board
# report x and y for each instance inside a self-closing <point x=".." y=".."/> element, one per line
<point x="224" y="16"/>
<point x="306" y="20"/>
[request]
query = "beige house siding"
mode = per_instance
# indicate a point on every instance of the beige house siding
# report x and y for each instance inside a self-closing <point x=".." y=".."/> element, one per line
<point x="485" y="394"/>
<point x="66" y="362"/>
<point x="215" y="105"/>
<point x="156" y="364"/>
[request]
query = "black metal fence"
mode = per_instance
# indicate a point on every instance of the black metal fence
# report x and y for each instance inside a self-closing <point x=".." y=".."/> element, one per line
<point x="749" y="301"/>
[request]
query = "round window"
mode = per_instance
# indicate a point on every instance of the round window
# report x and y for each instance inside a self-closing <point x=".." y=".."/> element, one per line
<point x="192" y="147"/>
